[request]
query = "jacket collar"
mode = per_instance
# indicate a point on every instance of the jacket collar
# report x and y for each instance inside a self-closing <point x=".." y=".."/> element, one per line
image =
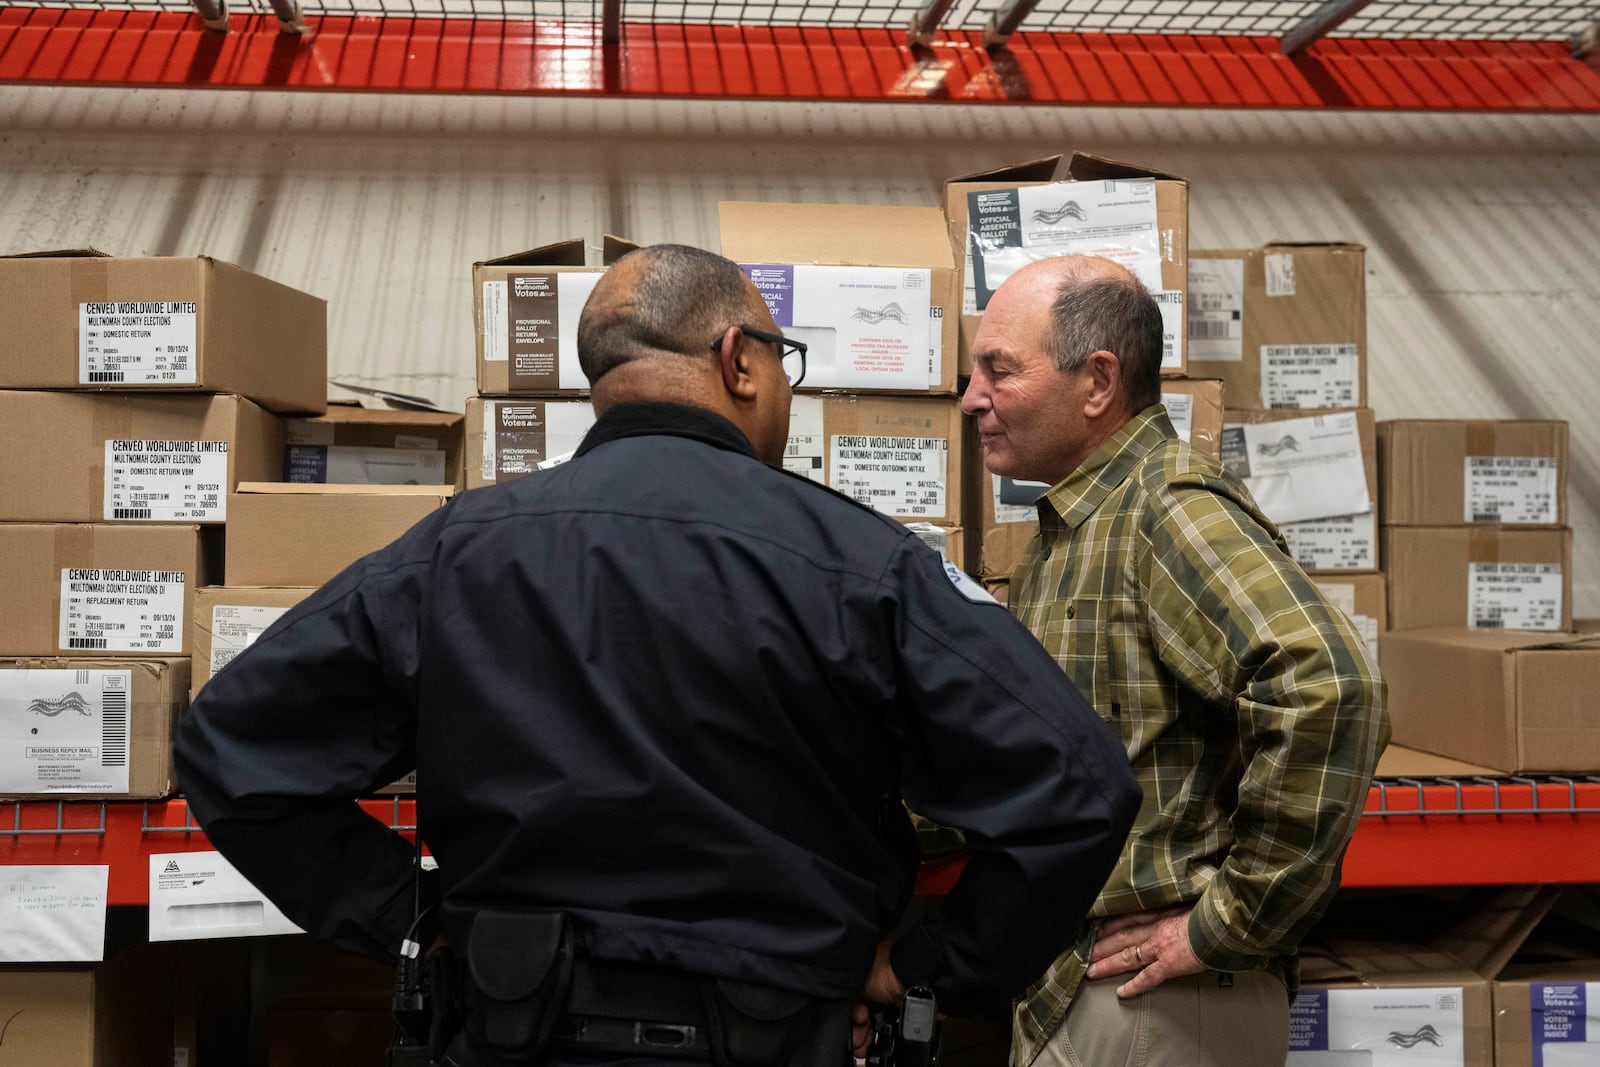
<point x="652" y="417"/>
<point x="1085" y="489"/>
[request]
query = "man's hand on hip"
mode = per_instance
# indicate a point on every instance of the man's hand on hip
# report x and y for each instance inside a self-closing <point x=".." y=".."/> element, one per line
<point x="1153" y="945"/>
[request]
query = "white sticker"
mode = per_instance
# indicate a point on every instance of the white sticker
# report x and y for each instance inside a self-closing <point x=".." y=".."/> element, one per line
<point x="1173" y="330"/>
<point x="487" y="468"/>
<point x="64" y="731"/>
<point x="1008" y="512"/>
<point x="1341" y="595"/>
<point x="804" y="452"/>
<point x="556" y="461"/>
<point x="1384" y="1027"/>
<point x="1180" y="410"/>
<point x="166" y="481"/>
<point x="307" y="432"/>
<point x="1343" y="543"/>
<point x="969" y="288"/>
<point x="137" y="342"/>
<point x="235" y="627"/>
<point x="1514" y="596"/>
<point x="111" y="610"/>
<point x="895" y="475"/>
<point x="966" y="586"/>
<point x="496" y="323"/>
<point x="935" y="537"/>
<point x="1280" y="273"/>
<point x="1216" y="309"/>
<point x="1303" y="468"/>
<point x="1511" y="489"/>
<point x="935" y="344"/>
<point x="1310" y="376"/>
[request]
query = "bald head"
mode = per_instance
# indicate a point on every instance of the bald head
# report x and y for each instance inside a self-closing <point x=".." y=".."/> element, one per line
<point x="661" y="301"/>
<point x="1098" y="305"/>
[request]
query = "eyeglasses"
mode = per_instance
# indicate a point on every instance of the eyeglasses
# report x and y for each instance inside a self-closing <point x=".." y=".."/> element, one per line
<point x="793" y="353"/>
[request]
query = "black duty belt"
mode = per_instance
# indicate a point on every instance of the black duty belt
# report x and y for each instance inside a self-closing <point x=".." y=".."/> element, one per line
<point x="621" y="1008"/>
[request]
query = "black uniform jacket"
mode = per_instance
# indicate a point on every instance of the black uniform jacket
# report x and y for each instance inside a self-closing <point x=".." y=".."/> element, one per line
<point x="677" y="693"/>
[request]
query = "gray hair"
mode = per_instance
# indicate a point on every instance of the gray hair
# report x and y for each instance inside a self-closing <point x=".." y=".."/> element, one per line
<point x="677" y="300"/>
<point x="1115" y="315"/>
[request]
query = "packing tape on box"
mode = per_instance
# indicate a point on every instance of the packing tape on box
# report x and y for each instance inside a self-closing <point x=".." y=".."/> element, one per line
<point x="90" y="283"/>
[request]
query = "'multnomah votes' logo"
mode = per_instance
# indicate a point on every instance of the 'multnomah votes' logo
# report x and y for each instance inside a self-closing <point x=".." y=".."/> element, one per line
<point x="1416" y="1037"/>
<point x="51" y="708"/>
<point x="1052" y="215"/>
<point x="890" y="312"/>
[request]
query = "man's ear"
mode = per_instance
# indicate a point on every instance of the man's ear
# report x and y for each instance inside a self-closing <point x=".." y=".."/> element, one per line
<point x="733" y="360"/>
<point x="1105" y="384"/>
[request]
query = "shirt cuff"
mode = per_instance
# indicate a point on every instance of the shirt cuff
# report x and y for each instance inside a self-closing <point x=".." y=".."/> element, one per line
<point x="1213" y="945"/>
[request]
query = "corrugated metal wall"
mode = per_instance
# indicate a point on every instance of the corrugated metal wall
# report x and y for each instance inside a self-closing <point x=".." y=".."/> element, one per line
<point x="1483" y="231"/>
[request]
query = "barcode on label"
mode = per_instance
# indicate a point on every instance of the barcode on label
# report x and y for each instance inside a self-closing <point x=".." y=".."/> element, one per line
<point x="82" y="678"/>
<point x="86" y="642"/>
<point x="114" y="728"/>
<point x="105" y="376"/>
<point x="1209" y="330"/>
<point x="1489" y="624"/>
<point x="130" y="513"/>
<point x="1485" y="516"/>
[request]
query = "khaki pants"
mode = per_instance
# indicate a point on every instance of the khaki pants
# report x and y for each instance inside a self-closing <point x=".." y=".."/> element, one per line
<point x="1196" y="1021"/>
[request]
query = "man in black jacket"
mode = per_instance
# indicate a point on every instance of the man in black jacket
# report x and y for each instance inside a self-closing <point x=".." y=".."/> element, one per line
<point x="664" y="702"/>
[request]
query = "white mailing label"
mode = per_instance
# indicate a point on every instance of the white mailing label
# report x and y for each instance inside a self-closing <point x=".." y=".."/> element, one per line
<point x="1514" y="596"/>
<point x="1511" y="489"/>
<point x="896" y="475"/>
<point x="166" y="481"/>
<point x="137" y="342"/>
<point x="1310" y="376"/>
<point x="110" y="610"/>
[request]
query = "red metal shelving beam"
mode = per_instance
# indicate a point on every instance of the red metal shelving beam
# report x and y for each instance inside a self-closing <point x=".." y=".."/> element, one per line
<point x="439" y="55"/>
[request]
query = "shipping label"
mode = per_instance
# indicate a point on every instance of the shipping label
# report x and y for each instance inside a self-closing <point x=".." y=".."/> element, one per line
<point x="522" y="436"/>
<point x="1170" y="301"/>
<point x="867" y="327"/>
<point x="166" y="481"/>
<point x="1514" y="596"/>
<point x="1010" y="228"/>
<point x="1310" y="376"/>
<point x="1216" y="309"/>
<point x="307" y="432"/>
<point x="1511" y="489"/>
<point x="1378" y="1027"/>
<point x="138" y="343"/>
<point x="64" y="731"/>
<point x="235" y="627"/>
<point x="112" y="610"/>
<point x="1341" y="543"/>
<point x="1299" y="469"/>
<point x="1566" y="1023"/>
<point x="896" y="475"/>
<point x="804" y="452"/>
<point x="1279" y="270"/>
<point x="1180" y="409"/>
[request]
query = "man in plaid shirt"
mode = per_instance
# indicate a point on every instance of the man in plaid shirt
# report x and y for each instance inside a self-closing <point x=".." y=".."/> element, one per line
<point x="1248" y="705"/>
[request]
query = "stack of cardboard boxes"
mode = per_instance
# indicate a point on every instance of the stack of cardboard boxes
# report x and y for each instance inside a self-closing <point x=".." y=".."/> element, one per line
<point x="1480" y="597"/>
<point x="1000" y="219"/>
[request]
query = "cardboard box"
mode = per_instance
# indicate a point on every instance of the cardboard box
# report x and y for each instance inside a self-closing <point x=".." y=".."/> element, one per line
<point x="1315" y="477"/>
<point x="1132" y="214"/>
<point x="335" y="1008"/>
<point x="898" y="454"/>
<point x="872" y="289"/>
<point x="1004" y="523"/>
<point x="525" y="310"/>
<point x="1364" y="597"/>
<point x="98" y="590"/>
<point x="282" y="534"/>
<point x="1284" y="325"/>
<point x="1398" y="761"/>
<point x="82" y="320"/>
<point x="143" y="457"/>
<point x="1521" y="703"/>
<point x="507" y="438"/>
<point x="90" y="728"/>
<point x="228" y="618"/>
<point x="113" y="1014"/>
<point x="1486" y="577"/>
<point x="367" y="446"/>
<point x="1445" y="472"/>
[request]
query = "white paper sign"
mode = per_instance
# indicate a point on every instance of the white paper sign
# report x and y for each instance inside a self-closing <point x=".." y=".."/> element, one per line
<point x="1310" y="376"/>
<point x="1392" y="1027"/>
<point x="804" y="453"/>
<point x="1514" y="596"/>
<point x="867" y="327"/>
<point x="496" y="323"/>
<point x="110" y="610"/>
<point x="1299" y="469"/>
<point x="53" y="914"/>
<point x="1511" y="489"/>
<point x="64" y="731"/>
<point x="1341" y="543"/>
<point x="1216" y="309"/>
<point x="235" y="627"/>
<point x="1180" y="410"/>
<point x="896" y="475"/>
<point x="137" y="342"/>
<point x="196" y="895"/>
<point x="166" y="481"/>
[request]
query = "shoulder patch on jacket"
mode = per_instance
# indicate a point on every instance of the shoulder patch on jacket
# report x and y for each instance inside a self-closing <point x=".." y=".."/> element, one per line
<point x="966" y="586"/>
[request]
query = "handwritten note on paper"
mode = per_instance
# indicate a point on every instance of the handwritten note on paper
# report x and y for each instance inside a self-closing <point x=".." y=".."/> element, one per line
<point x="52" y="914"/>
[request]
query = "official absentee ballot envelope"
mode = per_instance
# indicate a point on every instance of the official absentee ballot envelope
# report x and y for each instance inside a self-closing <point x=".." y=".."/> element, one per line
<point x="196" y="895"/>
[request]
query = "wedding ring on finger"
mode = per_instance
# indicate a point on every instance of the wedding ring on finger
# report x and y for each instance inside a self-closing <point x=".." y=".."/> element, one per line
<point x="1138" y="955"/>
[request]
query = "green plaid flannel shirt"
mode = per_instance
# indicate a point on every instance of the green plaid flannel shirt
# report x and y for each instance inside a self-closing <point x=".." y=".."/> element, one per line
<point x="1249" y="706"/>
